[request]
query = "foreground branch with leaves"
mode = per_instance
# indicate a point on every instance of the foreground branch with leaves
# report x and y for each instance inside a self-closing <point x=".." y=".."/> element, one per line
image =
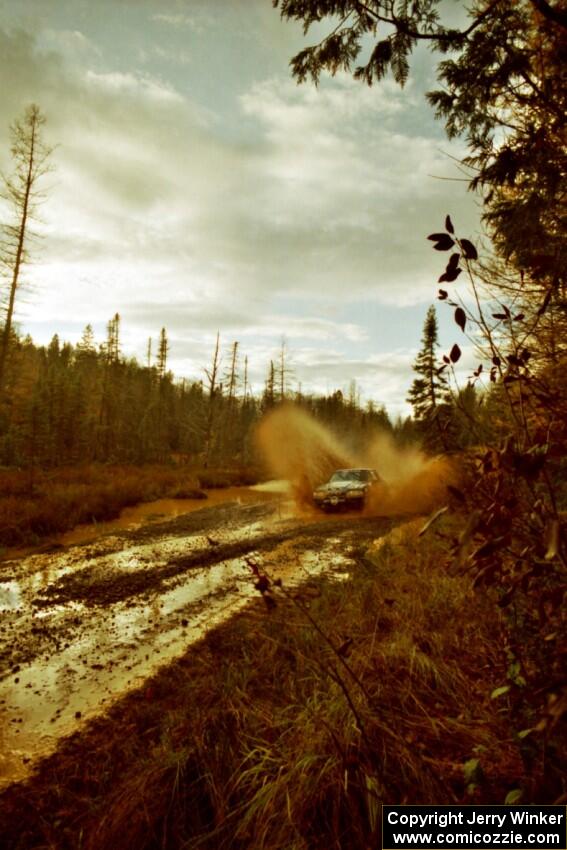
<point x="513" y="539"/>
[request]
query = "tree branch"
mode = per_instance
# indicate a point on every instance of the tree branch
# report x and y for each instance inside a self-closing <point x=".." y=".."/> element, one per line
<point x="442" y="35"/>
<point x="558" y="16"/>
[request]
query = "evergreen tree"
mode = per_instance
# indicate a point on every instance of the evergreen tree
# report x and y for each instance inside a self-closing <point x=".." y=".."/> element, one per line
<point x="501" y="86"/>
<point x="269" y="396"/>
<point x="86" y="345"/>
<point x="428" y="394"/>
<point x="163" y="349"/>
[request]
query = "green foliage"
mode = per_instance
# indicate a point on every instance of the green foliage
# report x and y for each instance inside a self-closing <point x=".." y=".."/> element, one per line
<point x="79" y="404"/>
<point x="512" y="541"/>
<point x="501" y="86"/>
<point x="429" y="392"/>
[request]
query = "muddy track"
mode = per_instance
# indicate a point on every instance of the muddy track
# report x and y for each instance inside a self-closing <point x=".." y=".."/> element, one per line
<point x="97" y="586"/>
<point x="85" y="624"/>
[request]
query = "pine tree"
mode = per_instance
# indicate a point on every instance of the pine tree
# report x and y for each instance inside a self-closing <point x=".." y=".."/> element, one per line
<point x="245" y="388"/>
<point x="86" y="344"/>
<point x="501" y="77"/>
<point x="163" y="350"/>
<point x="428" y="394"/>
<point x="268" y="399"/>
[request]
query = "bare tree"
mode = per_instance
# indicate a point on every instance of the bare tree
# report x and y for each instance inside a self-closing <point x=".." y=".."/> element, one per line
<point x="282" y="372"/>
<point x="232" y="378"/>
<point x="30" y="156"/>
<point x="212" y="386"/>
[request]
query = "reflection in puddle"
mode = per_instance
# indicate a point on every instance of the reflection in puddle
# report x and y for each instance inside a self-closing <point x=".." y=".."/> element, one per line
<point x="113" y="649"/>
<point x="10" y="596"/>
<point x="160" y="510"/>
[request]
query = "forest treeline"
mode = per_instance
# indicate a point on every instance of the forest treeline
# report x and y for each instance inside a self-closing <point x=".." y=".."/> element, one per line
<point x="84" y="403"/>
<point x="88" y="403"/>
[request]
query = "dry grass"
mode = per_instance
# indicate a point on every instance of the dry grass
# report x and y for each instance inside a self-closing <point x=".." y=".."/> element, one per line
<point x="59" y="499"/>
<point x="266" y="737"/>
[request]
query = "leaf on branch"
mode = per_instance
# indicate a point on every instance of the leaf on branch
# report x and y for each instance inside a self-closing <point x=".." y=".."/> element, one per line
<point x="449" y="224"/>
<point x="460" y="318"/>
<point x="469" y="250"/>
<point x="446" y="359"/>
<point x="455" y="353"/>
<point x="442" y="241"/>
<point x="442" y="295"/>
<point x="519" y="318"/>
<point x="496" y="360"/>
<point x="500" y="316"/>
<point x="449" y="275"/>
<point x="477" y="372"/>
<point x="453" y="261"/>
<point x="499" y="692"/>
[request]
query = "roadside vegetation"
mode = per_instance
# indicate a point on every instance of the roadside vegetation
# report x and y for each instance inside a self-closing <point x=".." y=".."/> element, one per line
<point x="288" y="727"/>
<point x="438" y="673"/>
<point x="57" y="500"/>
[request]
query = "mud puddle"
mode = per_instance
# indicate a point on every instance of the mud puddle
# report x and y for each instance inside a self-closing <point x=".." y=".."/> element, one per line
<point x="81" y="628"/>
<point x="145" y="513"/>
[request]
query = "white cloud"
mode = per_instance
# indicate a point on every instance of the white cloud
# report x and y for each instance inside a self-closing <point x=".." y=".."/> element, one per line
<point x="132" y="84"/>
<point x="162" y="212"/>
<point x="197" y="24"/>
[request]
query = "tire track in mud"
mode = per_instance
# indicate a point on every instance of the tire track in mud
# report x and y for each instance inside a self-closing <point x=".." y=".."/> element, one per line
<point x="96" y="587"/>
<point x="97" y="620"/>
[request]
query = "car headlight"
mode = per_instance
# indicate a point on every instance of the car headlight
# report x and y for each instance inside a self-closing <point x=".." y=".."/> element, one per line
<point x="355" y="494"/>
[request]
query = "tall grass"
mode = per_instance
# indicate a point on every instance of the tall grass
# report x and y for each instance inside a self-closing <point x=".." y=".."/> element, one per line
<point x="288" y="728"/>
<point x="60" y="499"/>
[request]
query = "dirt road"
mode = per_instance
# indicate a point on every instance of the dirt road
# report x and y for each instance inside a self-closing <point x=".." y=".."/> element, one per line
<point x="82" y="625"/>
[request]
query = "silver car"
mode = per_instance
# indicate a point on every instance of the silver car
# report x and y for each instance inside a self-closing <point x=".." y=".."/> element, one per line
<point x="346" y="488"/>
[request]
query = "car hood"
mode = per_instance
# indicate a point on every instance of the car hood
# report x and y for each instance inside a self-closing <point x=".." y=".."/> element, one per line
<point x="343" y="486"/>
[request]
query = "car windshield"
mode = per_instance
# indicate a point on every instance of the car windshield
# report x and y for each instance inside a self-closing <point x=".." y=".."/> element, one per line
<point x="351" y="475"/>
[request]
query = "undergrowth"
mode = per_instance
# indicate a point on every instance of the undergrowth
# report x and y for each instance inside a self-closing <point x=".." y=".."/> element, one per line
<point x="289" y="726"/>
<point x="57" y="500"/>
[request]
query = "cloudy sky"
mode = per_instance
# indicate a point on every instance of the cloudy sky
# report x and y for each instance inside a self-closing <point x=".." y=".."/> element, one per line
<point x="197" y="187"/>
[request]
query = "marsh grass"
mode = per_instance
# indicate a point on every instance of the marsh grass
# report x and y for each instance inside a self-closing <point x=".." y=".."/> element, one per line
<point x="287" y="728"/>
<point x="60" y="499"/>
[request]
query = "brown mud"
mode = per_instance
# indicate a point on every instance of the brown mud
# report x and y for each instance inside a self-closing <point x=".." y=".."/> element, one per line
<point x="85" y="624"/>
<point x="146" y="513"/>
<point x="304" y="452"/>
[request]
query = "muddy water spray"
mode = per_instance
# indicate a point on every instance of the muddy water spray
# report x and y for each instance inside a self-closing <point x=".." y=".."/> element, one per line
<point x="303" y="451"/>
